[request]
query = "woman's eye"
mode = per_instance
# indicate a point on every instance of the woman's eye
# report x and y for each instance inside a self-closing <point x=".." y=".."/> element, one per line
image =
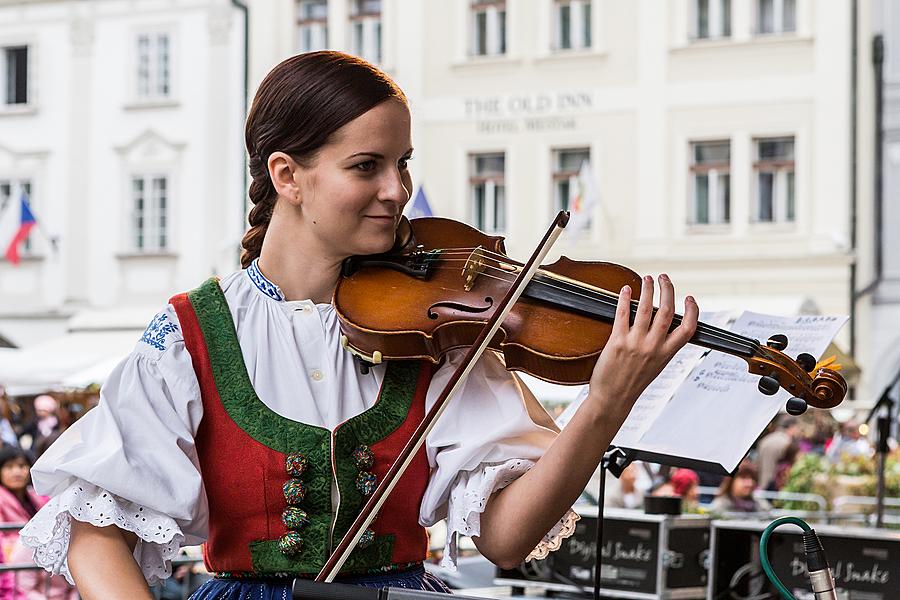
<point x="404" y="163"/>
<point x="366" y="166"/>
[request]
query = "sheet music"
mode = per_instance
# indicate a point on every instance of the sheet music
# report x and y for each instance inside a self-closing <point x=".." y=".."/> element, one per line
<point x="718" y="412"/>
<point x="654" y="399"/>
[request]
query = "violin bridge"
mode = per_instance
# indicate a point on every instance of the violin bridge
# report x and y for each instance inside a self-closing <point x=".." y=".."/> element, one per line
<point x="473" y="268"/>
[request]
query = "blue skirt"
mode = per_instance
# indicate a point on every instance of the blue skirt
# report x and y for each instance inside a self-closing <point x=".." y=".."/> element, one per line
<point x="280" y="589"/>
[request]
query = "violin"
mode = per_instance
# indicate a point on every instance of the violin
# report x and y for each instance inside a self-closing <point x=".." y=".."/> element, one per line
<point x="434" y="291"/>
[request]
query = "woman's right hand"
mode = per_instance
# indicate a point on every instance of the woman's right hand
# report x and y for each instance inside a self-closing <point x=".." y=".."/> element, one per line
<point x="636" y="353"/>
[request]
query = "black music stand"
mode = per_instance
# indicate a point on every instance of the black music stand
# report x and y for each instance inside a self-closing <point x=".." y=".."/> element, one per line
<point x="616" y="460"/>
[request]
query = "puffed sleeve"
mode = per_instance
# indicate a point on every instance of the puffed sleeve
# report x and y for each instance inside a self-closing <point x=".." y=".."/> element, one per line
<point x="130" y="461"/>
<point x="491" y="433"/>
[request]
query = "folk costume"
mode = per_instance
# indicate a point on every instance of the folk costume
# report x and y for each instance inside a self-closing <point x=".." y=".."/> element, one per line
<point x="240" y="421"/>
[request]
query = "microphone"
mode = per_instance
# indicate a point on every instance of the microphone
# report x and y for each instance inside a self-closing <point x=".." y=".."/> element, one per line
<point x="820" y="576"/>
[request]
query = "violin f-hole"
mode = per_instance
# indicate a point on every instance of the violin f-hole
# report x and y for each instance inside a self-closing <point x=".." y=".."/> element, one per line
<point x="489" y="304"/>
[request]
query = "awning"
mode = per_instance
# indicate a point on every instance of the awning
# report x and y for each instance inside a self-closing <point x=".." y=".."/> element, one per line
<point x="77" y="359"/>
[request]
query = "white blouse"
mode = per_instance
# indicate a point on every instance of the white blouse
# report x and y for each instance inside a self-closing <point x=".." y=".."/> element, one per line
<point x="131" y="461"/>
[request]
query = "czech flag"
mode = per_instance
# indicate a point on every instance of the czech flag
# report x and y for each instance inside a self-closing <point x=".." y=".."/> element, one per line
<point x="419" y="207"/>
<point x="15" y="224"/>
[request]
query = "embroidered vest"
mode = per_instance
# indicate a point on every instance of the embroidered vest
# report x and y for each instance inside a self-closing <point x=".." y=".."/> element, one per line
<point x="269" y="480"/>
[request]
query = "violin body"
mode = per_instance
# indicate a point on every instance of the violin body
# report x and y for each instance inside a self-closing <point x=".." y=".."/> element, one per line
<point x="385" y="310"/>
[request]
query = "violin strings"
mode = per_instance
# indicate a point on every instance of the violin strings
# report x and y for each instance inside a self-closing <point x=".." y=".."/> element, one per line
<point x="611" y="300"/>
<point x="716" y="332"/>
<point x="712" y="331"/>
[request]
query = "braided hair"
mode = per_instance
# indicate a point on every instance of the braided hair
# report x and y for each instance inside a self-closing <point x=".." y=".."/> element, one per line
<point x="300" y="104"/>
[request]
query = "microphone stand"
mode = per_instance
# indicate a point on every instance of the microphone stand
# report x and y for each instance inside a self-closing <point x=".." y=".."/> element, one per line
<point x="884" y="433"/>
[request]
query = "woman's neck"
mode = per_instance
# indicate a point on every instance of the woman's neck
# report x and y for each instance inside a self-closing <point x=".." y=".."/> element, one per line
<point x="302" y="271"/>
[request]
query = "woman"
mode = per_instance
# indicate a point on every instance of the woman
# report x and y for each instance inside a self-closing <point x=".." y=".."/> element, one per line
<point x="245" y="380"/>
<point x="736" y="493"/>
<point x="18" y="501"/>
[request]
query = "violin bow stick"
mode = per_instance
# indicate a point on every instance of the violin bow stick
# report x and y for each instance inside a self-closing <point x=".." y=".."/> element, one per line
<point x="379" y="496"/>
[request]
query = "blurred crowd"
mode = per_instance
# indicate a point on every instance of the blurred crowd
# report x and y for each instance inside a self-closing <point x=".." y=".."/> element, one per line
<point x="767" y="467"/>
<point x="26" y="432"/>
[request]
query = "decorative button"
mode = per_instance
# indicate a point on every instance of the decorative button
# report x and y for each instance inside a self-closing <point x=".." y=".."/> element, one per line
<point x="296" y="464"/>
<point x="290" y="543"/>
<point x="366" y="539"/>
<point x="366" y="483"/>
<point x="294" y="491"/>
<point x="317" y="375"/>
<point x="294" y="518"/>
<point x="307" y="308"/>
<point x="363" y="458"/>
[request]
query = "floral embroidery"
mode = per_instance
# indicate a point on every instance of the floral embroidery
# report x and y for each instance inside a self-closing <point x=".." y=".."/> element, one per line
<point x="265" y="286"/>
<point x="157" y="330"/>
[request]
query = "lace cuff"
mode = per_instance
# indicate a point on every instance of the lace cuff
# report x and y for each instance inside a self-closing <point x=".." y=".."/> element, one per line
<point x="159" y="537"/>
<point x="469" y="498"/>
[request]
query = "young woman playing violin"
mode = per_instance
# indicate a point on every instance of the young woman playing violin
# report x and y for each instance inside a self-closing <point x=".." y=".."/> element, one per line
<point x="239" y="419"/>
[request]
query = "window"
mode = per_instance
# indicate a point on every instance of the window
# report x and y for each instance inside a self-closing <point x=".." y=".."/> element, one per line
<point x="149" y="213"/>
<point x="365" y="22"/>
<point x="774" y="174"/>
<point x="711" y="182"/>
<point x="14" y="71"/>
<point x="153" y="66"/>
<point x="711" y="19"/>
<point x="11" y="191"/>
<point x="776" y="16"/>
<point x="573" y="24"/>
<point x="312" y="25"/>
<point x="566" y="170"/>
<point x="488" y="27"/>
<point x="487" y="182"/>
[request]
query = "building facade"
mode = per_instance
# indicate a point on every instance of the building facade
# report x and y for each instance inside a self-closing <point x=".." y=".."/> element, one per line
<point x="717" y="132"/>
<point x="121" y="123"/>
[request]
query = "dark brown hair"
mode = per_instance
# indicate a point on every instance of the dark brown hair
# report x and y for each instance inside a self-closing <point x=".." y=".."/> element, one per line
<point x="300" y="104"/>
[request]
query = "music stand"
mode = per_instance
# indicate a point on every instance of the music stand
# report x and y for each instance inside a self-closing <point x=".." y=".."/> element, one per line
<point x="885" y="420"/>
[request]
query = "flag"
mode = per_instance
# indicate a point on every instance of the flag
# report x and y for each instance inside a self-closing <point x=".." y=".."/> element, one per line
<point x="419" y="207"/>
<point x="584" y="198"/>
<point x="16" y="222"/>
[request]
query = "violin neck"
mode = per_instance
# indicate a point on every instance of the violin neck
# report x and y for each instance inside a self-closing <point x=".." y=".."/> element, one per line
<point x="600" y="304"/>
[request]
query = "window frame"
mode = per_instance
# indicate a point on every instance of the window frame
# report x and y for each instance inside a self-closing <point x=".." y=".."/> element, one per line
<point x="370" y="43"/>
<point x="778" y="17"/>
<point x="718" y="28"/>
<point x="717" y="216"/>
<point x="165" y="228"/>
<point x="580" y="30"/>
<point x="559" y="175"/>
<point x="313" y="26"/>
<point x="492" y="183"/>
<point x="4" y="75"/>
<point x="784" y="184"/>
<point x="496" y="35"/>
<point x="153" y="97"/>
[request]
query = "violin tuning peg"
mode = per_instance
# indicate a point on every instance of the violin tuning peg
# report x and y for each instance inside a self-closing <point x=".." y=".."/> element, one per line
<point x="778" y="342"/>
<point x="796" y="406"/>
<point x="768" y="385"/>
<point x="807" y="362"/>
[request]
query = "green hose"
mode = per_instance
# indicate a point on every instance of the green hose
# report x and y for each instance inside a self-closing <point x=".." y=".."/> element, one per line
<point x="764" y="552"/>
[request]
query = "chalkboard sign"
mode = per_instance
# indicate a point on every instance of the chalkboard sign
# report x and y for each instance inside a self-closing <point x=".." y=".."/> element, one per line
<point x="865" y="563"/>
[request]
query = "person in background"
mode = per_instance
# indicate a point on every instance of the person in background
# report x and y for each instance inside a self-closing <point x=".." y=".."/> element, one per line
<point x="7" y="433"/>
<point x="684" y="484"/>
<point x="45" y="422"/>
<point x="736" y="493"/>
<point x="772" y="446"/>
<point x="18" y="501"/>
<point x="625" y="494"/>
<point x="848" y="442"/>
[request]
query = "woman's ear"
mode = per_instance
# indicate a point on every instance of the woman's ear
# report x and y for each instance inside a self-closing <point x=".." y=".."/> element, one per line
<point x="283" y="171"/>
